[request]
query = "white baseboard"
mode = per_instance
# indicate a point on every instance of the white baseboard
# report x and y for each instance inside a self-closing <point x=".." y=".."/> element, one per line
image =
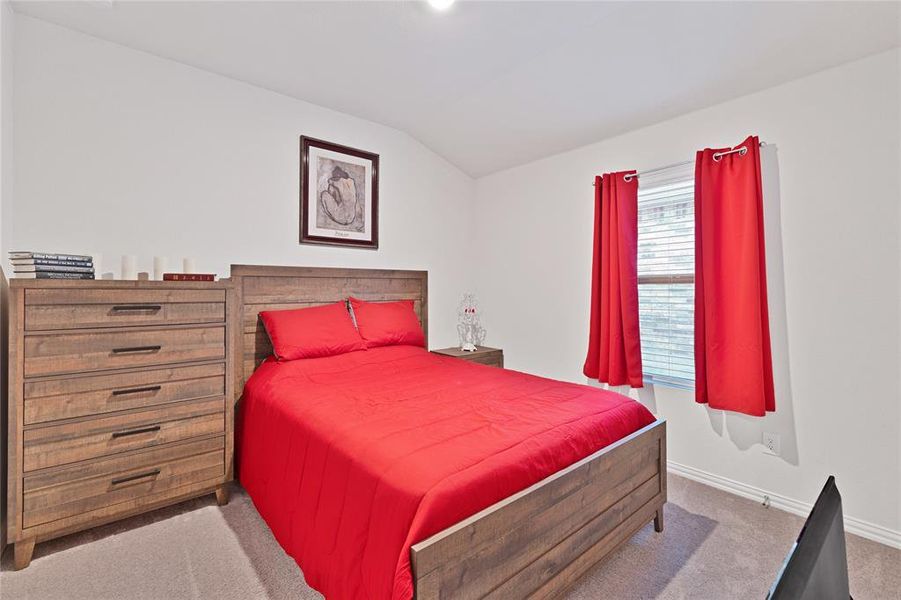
<point x="871" y="531"/>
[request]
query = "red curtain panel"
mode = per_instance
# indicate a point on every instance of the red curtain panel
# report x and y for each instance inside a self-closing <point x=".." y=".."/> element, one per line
<point x="614" y="347"/>
<point x="733" y="365"/>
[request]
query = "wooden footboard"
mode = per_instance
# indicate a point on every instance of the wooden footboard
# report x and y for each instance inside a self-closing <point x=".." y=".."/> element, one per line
<point x="537" y="542"/>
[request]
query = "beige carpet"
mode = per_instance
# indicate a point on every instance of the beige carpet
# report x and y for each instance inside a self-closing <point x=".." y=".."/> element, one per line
<point x="715" y="546"/>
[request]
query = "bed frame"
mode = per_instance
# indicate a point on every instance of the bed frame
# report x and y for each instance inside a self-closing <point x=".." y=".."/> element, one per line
<point x="536" y="543"/>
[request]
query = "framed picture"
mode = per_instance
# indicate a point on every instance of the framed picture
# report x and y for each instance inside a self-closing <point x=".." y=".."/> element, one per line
<point x="339" y="195"/>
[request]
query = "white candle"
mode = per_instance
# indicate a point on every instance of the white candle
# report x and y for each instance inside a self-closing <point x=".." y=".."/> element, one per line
<point x="188" y="265"/>
<point x="97" y="261"/>
<point x="129" y="266"/>
<point x="159" y="267"/>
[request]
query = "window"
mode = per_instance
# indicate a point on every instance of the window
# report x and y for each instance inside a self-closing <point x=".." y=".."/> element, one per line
<point x="666" y="249"/>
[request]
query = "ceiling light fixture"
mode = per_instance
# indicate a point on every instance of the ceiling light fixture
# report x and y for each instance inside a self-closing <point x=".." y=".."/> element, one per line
<point x="440" y="4"/>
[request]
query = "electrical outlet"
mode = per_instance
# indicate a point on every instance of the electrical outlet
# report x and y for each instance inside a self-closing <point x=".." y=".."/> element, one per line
<point x="772" y="443"/>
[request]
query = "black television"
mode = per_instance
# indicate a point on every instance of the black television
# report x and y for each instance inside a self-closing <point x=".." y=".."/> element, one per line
<point x="816" y="567"/>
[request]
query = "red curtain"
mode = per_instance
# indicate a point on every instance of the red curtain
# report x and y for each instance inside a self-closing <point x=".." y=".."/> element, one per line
<point x="733" y="366"/>
<point x="614" y="349"/>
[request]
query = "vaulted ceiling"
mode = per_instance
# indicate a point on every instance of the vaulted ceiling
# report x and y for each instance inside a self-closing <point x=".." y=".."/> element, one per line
<point x="490" y="85"/>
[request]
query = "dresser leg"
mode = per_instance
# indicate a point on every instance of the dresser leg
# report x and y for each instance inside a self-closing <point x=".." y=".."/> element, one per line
<point x="23" y="549"/>
<point x="658" y="521"/>
<point x="221" y="495"/>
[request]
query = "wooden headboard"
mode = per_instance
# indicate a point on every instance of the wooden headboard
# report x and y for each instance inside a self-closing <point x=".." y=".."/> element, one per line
<point x="259" y="288"/>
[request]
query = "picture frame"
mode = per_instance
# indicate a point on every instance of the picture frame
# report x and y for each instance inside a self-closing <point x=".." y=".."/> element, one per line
<point x="339" y="195"/>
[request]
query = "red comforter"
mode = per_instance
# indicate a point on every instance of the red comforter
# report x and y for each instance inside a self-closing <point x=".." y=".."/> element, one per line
<point x="351" y="459"/>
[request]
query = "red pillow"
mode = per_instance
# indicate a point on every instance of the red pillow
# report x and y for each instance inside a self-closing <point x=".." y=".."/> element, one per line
<point x="387" y="323"/>
<point x="311" y="332"/>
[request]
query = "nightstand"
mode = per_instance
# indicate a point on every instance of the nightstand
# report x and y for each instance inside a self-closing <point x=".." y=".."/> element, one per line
<point x="493" y="357"/>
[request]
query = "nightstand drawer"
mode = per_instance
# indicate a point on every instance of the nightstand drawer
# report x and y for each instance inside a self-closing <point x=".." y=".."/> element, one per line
<point x="78" y="309"/>
<point x="53" y="354"/>
<point x="493" y="359"/>
<point x="66" y="443"/>
<point x="151" y="475"/>
<point x="53" y="399"/>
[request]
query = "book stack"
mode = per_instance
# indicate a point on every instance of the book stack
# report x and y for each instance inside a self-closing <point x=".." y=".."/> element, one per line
<point x="189" y="277"/>
<point x="42" y="265"/>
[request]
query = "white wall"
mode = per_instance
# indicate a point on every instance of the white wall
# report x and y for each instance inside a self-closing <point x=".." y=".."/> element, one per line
<point x="7" y="48"/>
<point x="7" y="32"/>
<point x="121" y="152"/>
<point x="835" y="314"/>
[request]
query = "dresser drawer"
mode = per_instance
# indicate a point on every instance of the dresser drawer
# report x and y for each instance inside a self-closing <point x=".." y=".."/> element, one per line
<point x="54" y="399"/>
<point x="78" y="309"/>
<point x="52" y="354"/>
<point x="124" y="481"/>
<point x="66" y="443"/>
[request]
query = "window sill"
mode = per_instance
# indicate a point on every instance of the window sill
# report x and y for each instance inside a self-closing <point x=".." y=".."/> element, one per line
<point x="678" y="384"/>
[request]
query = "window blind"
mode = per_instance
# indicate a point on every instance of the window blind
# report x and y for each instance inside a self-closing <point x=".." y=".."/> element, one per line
<point x="666" y="276"/>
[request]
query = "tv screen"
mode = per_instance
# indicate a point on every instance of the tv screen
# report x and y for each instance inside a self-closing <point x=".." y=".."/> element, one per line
<point x="817" y="565"/>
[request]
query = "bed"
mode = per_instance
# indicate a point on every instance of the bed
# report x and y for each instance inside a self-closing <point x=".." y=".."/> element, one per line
<point x="396" y="473"/>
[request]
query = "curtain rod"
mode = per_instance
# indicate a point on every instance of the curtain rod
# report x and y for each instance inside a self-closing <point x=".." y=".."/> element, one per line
<point x="717" y="157"/>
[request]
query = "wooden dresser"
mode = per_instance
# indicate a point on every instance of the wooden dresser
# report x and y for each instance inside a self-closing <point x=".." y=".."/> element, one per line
<point x="120" y="401"/>
<point x="493" y="357"/>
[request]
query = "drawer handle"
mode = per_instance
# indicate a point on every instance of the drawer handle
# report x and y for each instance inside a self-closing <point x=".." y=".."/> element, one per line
<point x="138" y="390"/>
<point x="135" y="349"/>
<point x="118" y="434"/>
<point x="136" y="307"/>
<point x="119" y="480"/>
